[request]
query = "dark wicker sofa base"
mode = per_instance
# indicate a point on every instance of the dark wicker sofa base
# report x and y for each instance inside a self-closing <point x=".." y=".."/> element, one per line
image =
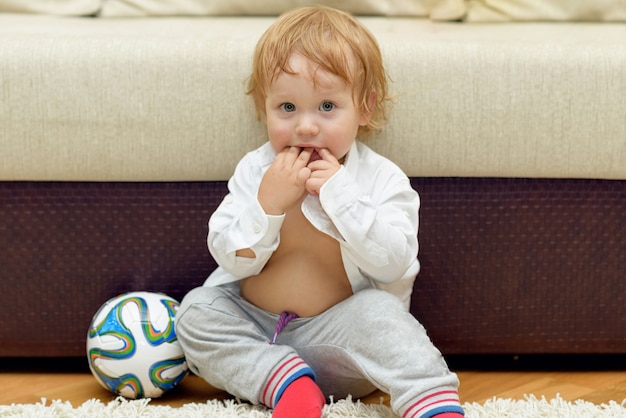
<point x="509" y="266"/>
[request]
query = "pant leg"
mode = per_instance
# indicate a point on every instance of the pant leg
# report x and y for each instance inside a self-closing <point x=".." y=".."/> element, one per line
<point x="226" y="341"/>
<point x="371" y="336"/>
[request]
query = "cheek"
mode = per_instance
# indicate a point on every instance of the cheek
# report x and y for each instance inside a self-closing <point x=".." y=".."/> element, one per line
<point x="278" y="134"/>
<point x="345" y="135"/>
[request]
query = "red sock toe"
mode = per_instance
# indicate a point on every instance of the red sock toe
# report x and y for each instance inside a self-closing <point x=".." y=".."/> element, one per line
<point x="301" y="399"/>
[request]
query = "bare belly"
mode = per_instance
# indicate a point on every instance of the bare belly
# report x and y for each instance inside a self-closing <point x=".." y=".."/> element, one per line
<point x="305" y="275"/>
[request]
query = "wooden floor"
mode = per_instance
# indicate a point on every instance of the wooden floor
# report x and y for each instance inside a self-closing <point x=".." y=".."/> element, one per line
<point x="76" y="385"/>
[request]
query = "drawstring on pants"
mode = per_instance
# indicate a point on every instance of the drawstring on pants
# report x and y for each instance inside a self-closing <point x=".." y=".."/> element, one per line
<point x="284" y="319"/>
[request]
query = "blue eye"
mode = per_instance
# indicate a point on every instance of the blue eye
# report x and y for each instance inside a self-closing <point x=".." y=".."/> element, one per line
<point x="288" y="107"/>
<point x="327" y="106"/>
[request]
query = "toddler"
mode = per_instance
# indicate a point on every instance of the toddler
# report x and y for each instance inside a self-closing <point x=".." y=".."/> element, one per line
<point x="316" y="241"/>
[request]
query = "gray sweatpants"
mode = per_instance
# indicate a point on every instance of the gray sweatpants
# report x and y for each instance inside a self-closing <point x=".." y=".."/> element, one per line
<point x="366" y="342"/>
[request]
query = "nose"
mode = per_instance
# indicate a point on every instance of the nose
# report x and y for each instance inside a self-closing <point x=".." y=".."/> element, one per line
<point x="307" y="126"/>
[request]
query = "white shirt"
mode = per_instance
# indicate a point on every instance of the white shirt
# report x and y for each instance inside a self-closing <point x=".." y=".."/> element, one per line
<point x="368" y="206"/>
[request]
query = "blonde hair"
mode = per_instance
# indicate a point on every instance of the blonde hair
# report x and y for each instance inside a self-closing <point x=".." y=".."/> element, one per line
<point x="332" y="39"/>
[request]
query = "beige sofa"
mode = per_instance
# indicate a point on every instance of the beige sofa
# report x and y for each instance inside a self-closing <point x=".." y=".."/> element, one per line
<point x="119" y="125"/>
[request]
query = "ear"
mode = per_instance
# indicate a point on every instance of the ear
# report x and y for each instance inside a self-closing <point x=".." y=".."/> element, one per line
<point x="366" y="114"/>
<point x="259" y="106"/>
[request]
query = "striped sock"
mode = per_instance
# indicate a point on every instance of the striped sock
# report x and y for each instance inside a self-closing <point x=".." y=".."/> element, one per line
<point x="440" y="404"/>
<point x="282" y="376"/>
<point x="302" y="399"/>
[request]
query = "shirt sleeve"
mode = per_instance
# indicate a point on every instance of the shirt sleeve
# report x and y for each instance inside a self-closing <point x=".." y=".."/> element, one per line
<point x="376" y="220"/>
<point x="239" y="222"/>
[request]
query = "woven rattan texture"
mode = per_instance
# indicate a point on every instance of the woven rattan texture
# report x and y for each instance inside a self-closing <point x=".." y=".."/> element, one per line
<point x="508" y="265"/>
<point x="523" y="266"/>
<point x="68" y="247"/>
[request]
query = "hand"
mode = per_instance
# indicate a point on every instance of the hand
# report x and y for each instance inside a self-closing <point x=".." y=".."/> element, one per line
<point x="321" y="171"/>
<point x="284" y="182"/>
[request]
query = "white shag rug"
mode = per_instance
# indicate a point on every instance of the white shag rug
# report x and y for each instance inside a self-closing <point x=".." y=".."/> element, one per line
<point x="495" y="408"/>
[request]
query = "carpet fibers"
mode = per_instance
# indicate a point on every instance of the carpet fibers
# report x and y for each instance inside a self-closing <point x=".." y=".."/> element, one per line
<point x="495" y="408"/>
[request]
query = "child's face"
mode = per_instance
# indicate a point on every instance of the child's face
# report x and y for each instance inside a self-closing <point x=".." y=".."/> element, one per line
<point x="303" y="114"/>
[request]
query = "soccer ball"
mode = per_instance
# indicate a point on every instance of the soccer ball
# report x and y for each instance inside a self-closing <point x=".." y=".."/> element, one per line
<point x="132" y="346"/>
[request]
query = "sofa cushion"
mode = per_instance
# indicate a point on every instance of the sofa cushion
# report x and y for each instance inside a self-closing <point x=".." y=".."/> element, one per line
<point x="466" y="10"/>
<point x="162" y="99"/>
<point x="553" y="10"/>
<point x="127" y="8"/>
<point x="57" y="7"/>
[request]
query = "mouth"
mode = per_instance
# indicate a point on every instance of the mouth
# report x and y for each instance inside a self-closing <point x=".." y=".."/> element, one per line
<point x="314" y="156"/>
